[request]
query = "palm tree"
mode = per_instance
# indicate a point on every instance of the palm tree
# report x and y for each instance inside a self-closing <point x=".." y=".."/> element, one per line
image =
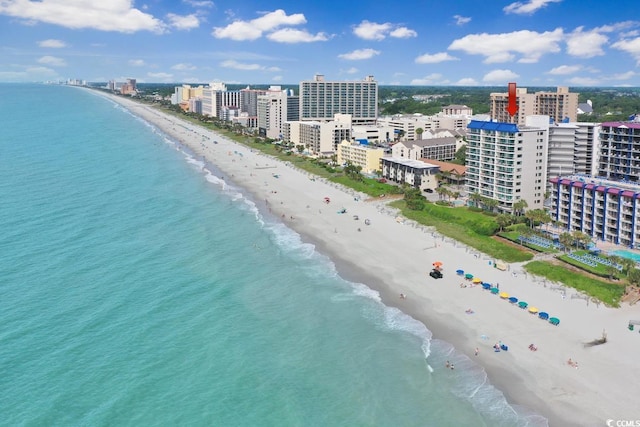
<point x="475" y="198"/>
<point x="419" y="132"/>
<point x="490" y="204"/>
<point x="581" y="238"/>
<point x="503" y="221"/>
<point x="566" y="240"/>
<point x="441" y="191"/>
<point x="519" y="207"/>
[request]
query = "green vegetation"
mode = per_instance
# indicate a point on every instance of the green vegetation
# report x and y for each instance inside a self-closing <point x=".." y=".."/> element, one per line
<point x="468" y="227"/>
<point x="599" y="270"/>
<point x="608" y="293"/>
<point x="367" y="185"/>
<point x="514" y="236"/>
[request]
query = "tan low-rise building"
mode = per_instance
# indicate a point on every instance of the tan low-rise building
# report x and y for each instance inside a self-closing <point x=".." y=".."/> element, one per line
<point x="363" y="155"/>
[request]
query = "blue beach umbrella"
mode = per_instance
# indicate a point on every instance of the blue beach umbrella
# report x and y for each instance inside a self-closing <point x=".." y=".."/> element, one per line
<point x="513" y="300"/>
<point x="543" y="315"/>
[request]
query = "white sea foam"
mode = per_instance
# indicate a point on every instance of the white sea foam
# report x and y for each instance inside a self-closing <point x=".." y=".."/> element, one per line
<point x="471" y="383"/>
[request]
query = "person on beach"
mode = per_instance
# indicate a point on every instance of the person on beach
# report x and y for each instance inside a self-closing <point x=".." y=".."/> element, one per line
<point x="403" y="296"/>
<point x="447" y="365"/>
<point x="477" y="351"/>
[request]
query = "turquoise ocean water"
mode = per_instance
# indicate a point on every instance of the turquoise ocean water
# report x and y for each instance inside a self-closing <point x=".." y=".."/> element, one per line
<point x="136" y="291"/>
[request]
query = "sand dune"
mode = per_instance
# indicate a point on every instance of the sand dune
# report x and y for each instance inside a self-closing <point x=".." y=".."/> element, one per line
<point x="394" y="257"/>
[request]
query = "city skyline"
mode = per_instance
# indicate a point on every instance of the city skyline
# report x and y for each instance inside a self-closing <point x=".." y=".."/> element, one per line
<point x="466" y="43"/>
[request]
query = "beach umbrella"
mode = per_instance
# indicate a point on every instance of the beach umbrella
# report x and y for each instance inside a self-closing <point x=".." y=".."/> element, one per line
<point x="523" y="304"/>
<point x="554" y="321"/>
<point x="543" y="315"/>
<point x="468" y="276"/>
<point x="494" y="291"/>
<point x="513" y="300"/>
<point x="504" y="295"/>
<point x="459" y="272"/>
<point x="476" y="280"/>
<point x="486" y="286"/>
<point x="437" y="264"/>
<point x="533" y="310"/>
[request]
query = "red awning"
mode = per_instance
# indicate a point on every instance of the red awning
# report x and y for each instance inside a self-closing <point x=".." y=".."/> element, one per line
<point x="628" y="193"/>
<point x="613" y="191"/>
<point x="578" y="184"/>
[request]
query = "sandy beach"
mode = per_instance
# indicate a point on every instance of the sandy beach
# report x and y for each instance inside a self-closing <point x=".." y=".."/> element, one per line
<point x="393" y="256"/>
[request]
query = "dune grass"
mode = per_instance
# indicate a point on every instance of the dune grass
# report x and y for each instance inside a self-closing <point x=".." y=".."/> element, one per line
<point x="607" y="292"/>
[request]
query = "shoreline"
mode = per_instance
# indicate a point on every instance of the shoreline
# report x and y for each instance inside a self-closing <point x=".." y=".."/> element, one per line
<point x="392" y="258"/>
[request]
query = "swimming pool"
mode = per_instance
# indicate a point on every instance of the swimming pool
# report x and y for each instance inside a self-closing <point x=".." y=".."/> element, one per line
<point x="626" y="254"/>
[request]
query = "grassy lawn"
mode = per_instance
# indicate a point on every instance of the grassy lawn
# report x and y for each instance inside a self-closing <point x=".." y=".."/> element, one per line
<point x="466" y="227"/>
<point x="608" y="293"/>
<point x="513" y="236"/>
<point x="599" y="269"/>
<point x="367" y="185"/>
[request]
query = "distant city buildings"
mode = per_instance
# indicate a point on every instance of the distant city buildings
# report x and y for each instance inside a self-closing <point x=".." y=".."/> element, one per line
<point x="321" y="100"/>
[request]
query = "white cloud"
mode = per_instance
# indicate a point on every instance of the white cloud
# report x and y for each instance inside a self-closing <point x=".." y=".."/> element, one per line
<point x="403" y="33"/>
<point x="254" y="29"/>
<point x="585" y="44"/>
<point x="276" y="78"/>
<point x="374" y="31"/>
<point x="184" y="67"/>
<point x="499" y="76"/>
<point x="232" y="63"/>
<point x="352" y="70"/>
<point x="52" y="61"/>
<point x="112" y="15"/>
<point x="565" y="69"/>
<point x="52" y="43"/>
<point x="359" y="54"/>
<point x="371" y="30"/>
<point x="435" y="58"/>
<point x="19" y="73"/>
<point x="431" y="79"/>
<point x="137" y="62"/>
<point x="623" y="76"/>
<point x="461" y="20"/>
<point x="160" y="77"/>
<point x="583" y="81"/>
<point x="631" y="46"/>
<point x="503" y="47"/>
<point x="186" y="22"/>
<point x="528" y="8"/>
<point x="292" y="35"/>
<point x="467" y="81"/>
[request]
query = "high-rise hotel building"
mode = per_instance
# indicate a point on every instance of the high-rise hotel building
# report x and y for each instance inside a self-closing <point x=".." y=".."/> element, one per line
<point x="560" y="106"/>
<point x="320" y="100"/>
<point x="606" y="207"/>
<point x="507" y="162"/>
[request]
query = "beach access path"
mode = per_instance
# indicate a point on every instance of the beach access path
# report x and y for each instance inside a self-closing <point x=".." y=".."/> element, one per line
<point x="394" y="256"/>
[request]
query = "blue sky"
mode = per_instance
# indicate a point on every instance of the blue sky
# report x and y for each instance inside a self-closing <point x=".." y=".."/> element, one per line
<point x="453" y="42"/>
